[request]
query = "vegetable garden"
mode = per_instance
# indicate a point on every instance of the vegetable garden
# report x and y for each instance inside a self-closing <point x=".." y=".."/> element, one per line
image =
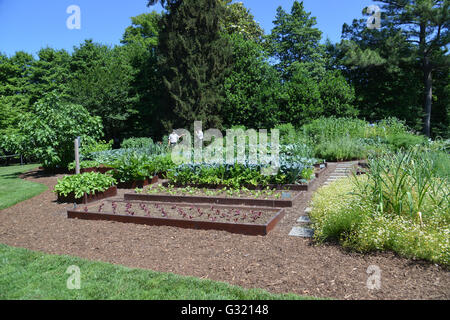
<point x="405" y="183"/>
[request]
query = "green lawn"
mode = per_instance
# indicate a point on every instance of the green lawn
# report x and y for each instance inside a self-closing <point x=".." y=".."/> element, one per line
<point x="13" y="189"/>
<point x="26" y="274"/>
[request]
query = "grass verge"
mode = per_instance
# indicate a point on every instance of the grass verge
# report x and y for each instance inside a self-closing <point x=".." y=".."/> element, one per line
<point x="26" y="274"/>
<point x="13" y="189"/>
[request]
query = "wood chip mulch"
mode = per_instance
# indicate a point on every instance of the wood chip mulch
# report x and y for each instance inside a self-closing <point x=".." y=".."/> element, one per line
<point x="277" y="262"/>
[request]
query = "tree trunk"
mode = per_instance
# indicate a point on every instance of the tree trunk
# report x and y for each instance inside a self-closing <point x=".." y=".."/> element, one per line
<point x="428" y="82"/>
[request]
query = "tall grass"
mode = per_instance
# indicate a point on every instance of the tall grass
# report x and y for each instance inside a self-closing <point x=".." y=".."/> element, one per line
<point x="406" y="183"/>
<point x="337" y="139"/>
<point x="401" y="204"/>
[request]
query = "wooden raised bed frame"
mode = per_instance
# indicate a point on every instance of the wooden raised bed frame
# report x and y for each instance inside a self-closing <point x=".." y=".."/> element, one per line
<point x="137" y="183"/>
<point x="88" y="198"/>
<point x="239" y="228"/>
<point x="271" y="203"/>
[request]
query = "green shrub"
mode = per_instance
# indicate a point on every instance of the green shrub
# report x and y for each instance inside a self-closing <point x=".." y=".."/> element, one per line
<point x="336" y="128"/>
<point x="405" y="141"/>
<point x="83" y="164"/>
<point x="342" y="149"/>
<point x="287" y="133"/>
<point x="89" y="145"/>
<point x="137" y="143"/>
<point x="441" y="164"/>
<point x="80" y="184"/>
<point x="48" y="133"/>
<point x="338" y="139"/>
<point x="131" y="166"/>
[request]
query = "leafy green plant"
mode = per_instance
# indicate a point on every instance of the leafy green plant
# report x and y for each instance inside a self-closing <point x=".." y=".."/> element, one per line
<point x="344" y="148"/>
<point x="80" y="184"/>
<point x="83" y="164"/>
<point x="90" y="145"/>
<point x="338" y="139"/>
<point x="131" y="167"/>
<point x="137" y="143"/>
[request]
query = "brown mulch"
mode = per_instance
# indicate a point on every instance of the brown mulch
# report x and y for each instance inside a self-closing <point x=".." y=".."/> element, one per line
<point x="277" y="262"/>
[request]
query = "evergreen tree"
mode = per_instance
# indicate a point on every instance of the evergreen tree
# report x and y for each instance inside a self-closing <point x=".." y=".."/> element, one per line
<point x="49" y="73"/>
<point x="426" y="23"/>
<point x="194" y="60"/>
<point x="392" y="68"/>
<point x="295" y="39"/>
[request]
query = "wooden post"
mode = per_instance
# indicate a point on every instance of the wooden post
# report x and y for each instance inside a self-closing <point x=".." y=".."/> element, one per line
<point x="77" y="157"/>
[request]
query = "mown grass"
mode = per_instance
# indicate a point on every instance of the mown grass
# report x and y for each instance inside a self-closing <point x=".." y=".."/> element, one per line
<point x="26" y="274"/>
<point x="13" y="189"/>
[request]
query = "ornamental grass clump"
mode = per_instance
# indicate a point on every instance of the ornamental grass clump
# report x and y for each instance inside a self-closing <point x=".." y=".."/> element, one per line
<point x="404" y="184"/>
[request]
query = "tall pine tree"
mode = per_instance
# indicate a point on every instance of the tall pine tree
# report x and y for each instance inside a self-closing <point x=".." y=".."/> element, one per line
<point x="194" y="60"/>
<point x="425" y="23"/>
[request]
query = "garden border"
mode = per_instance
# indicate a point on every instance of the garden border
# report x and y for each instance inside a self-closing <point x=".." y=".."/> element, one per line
<point x="137" y="183"/>
<point x="290" y="187"/>
<point x="239" y="228"/>
<point x="271" y="203"/>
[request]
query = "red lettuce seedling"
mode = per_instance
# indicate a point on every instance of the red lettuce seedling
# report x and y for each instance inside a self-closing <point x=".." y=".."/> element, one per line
<point x="114" y="206"/>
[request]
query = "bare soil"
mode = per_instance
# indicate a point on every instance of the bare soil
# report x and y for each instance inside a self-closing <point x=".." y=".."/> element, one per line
<point x="183" y="211"/>
<point x="276" y="262"/>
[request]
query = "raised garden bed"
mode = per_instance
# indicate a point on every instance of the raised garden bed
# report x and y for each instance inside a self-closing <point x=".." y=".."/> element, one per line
<point x="292" y="187"/>
<point x="88" y="198"/>
<point x="101" y="169"/>
<point x="242" y="220"/>
<point x="320" y="169"/>
<point x="241" y="201"/>
<point x="137" y="183"/>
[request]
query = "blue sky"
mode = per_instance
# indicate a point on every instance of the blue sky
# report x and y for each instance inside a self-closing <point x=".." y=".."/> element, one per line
<point x="30" y="25"/>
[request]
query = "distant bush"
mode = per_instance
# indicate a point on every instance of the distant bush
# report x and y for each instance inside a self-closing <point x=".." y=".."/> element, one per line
<point x="83" y="164"/>
<point x="89" y="145"/>
<point x="287" y="133"/>
<point x="137" y="143"/>
<point x="345" y="148"/>
<point x="405" y="140"/>
<point x="339" y="139"/>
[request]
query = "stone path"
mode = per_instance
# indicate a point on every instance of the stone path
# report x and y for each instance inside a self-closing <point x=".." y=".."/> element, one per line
<point x="343" y="169"/>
